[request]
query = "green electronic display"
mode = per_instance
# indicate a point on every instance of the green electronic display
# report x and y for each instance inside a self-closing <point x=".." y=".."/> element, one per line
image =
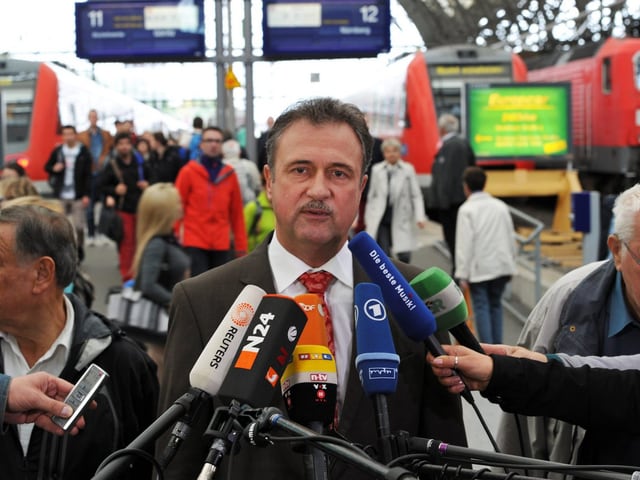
<point x="519" y="120"/>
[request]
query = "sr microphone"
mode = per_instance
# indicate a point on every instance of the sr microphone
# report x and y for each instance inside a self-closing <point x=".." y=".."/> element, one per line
<point x="376" y="361"/>
<point x="211" y="368"/>
<point x="413" y="316"/>
<point x="446" y="301"/>
<point x="255" y="371"/>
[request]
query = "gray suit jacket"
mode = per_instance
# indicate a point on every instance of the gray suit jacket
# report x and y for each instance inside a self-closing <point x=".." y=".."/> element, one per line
<point x="420" y="405"/>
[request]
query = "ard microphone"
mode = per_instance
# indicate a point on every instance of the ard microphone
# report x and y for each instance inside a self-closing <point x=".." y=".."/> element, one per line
<point x="211" y="368"/>
<point x="413" y="316"/>
<point x="376" y="361"/>
<point x="265" y="350"/>
<point x="446" y="301"/>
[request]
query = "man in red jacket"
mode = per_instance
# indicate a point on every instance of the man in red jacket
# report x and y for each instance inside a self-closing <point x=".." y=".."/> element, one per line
<point x="213" y="215"/>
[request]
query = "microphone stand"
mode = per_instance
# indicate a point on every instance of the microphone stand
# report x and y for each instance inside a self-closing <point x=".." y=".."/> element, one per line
<point x="314" y="460"/>
<point x="439" y="449"/>
<point x="272" y="417"/>
<point x="148" y="436"/>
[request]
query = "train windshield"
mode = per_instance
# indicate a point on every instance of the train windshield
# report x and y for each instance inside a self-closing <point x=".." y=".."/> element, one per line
<point x="17" y="107"/>
<point x="636" y="70"/>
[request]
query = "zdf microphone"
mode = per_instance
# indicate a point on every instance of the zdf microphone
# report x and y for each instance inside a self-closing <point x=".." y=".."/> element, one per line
<point x="446" y="301"/>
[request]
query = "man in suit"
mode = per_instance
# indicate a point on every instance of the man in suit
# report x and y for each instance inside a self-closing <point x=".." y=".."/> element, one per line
<point x="446" y="191"/>
<point x="318" y="152"/>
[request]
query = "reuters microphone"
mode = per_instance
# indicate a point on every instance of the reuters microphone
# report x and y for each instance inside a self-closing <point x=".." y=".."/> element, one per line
<point x="446" y="301"/>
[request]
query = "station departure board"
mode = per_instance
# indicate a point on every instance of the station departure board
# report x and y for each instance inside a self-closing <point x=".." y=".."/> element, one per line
<point x="139" y="31"/>
<point x="519" y="120"/>
<point x="325" y="29"/>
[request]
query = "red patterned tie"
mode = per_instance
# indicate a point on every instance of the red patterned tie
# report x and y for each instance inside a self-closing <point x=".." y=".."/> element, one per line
<point x="318" y="282"/>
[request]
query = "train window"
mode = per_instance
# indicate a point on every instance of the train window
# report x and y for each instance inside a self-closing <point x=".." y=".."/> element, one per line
<point x="606" y="75"/>
<point x="18" y="105"/>
<point x="447" y="100"/>
<point x="636" y="70"/>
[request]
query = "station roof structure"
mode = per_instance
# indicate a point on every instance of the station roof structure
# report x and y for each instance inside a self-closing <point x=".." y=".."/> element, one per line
<point x="521" y="25"/>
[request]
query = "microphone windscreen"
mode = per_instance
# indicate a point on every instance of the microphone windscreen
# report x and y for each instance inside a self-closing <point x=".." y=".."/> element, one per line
<point x="415" y="319"/>
<point x="214" y="362"/>
<point x="265" y="351"/>
<point x="376" y="360"/>
<point x="310" y="385"/>
<point x="443" y="297"/>
<point x="315" y="332"/>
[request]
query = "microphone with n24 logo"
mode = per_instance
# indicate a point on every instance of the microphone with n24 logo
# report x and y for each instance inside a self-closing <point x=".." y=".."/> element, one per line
<point x="265" y="351"/>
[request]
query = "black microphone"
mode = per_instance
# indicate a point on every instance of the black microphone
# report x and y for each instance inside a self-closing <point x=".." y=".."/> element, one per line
<point x="376" y="361"/>
<point x="255" y="371"/>
<point x="413" y="316"/>
<point x="446" y="301"/>
<point x="209" y="371"/>
<point x="310" y="383"/>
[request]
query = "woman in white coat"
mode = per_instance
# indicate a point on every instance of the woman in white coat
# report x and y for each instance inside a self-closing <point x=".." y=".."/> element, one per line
<point x="394" y="204"/>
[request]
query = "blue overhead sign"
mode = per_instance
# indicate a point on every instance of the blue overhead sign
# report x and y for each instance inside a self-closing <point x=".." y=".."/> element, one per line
<point x="325" y="29"/>
<point x="138" y="31"/>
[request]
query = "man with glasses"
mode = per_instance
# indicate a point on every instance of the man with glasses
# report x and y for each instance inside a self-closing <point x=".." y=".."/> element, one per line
<point x="213" y="223"/>
<point x="593" y="310"/>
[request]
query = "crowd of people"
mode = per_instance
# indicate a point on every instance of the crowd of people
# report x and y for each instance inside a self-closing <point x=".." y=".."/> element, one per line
<point x="201" y="221"/>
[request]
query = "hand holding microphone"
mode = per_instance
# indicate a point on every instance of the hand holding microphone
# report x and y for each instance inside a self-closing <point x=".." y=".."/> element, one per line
<point x="462" y="364"/>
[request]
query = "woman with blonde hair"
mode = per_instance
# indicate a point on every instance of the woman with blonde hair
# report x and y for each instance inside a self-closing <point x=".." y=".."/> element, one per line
<point x="159" y="261"/>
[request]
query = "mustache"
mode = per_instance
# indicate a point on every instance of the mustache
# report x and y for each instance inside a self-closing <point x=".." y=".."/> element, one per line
<point x="317" y="205"/>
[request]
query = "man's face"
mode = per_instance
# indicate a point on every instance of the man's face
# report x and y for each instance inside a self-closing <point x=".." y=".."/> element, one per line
<point x="315" y="188"/>
<point x="69" y="136"/>
<point x="16" y="280"/>
<point x="93" y="118"/>
<point x="627" y="261"/>
<point x="124" y="147"/>
<point x="391" y="154"/>
<point x="211" y="143"/>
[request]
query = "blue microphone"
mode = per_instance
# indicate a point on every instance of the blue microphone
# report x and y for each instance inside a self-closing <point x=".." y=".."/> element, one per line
<point x="413" y="316"/>
<point x="376" y="361"/>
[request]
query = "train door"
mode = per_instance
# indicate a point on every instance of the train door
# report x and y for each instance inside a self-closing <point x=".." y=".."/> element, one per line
<point x="3" y="129"/>
<point x="16" y="108"/>
<point x="447" y="97"/>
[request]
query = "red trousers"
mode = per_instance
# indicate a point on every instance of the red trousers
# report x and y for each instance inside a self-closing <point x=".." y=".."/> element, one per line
<point x="127" y="248"/>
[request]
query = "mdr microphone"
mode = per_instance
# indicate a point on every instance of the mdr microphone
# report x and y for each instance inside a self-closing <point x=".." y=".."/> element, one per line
<point x="376" y="361"/>
<point x="446" y="301"/>
<point x="408" y="309"/>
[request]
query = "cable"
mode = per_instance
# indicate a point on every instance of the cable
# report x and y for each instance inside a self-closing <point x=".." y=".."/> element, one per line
<point x="135" y="452"/>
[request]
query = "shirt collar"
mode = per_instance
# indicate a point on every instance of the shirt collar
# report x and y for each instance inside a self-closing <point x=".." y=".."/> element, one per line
<point x="291" y="267"/>
<point x="619" y="316"/>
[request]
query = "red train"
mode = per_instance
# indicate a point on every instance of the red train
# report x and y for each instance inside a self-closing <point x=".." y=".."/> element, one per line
<point x="411" y="93"/>
<point x="605" y="90"/>
<point x="36" y="99"/>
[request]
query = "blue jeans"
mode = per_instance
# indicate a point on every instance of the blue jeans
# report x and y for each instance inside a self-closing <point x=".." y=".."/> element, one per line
<point x="487" y="308"/>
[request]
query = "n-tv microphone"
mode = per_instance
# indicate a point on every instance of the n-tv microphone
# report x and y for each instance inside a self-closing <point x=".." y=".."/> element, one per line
<point x="310" y="383"/>
<point x="413" y="316"/>
<point x="256" y="369"/>
<point x="376" y="361"/>
<point x="211" y="368"/>
<point x="446" y="301"/>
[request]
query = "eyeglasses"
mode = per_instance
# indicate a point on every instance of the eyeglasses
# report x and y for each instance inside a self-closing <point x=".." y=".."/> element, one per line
<point x="633" y="255"/>
<point x="212" y="140"/>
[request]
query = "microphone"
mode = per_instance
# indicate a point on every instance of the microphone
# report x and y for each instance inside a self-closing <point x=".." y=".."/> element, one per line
<point x="310" y="383"/>
<point x="413" y="316"/>
<point x="446" y="301"/>
<point x="211" y="368"/>
<point x="255" y="371"/>
<point x="376" y="361"/>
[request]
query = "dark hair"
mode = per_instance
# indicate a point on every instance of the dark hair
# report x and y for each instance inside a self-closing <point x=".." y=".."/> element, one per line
<point x="197" y="122"/>
<point x="68" y="127"/>
<point x="214" y="129"/>
<point x="16" y="167"/>
<point x="160" y="138"/>
<point x="321" y="111"/>
<point x="122" y="135"/>
<point x="474" y="178"/>
<point x="41" y="232"/>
